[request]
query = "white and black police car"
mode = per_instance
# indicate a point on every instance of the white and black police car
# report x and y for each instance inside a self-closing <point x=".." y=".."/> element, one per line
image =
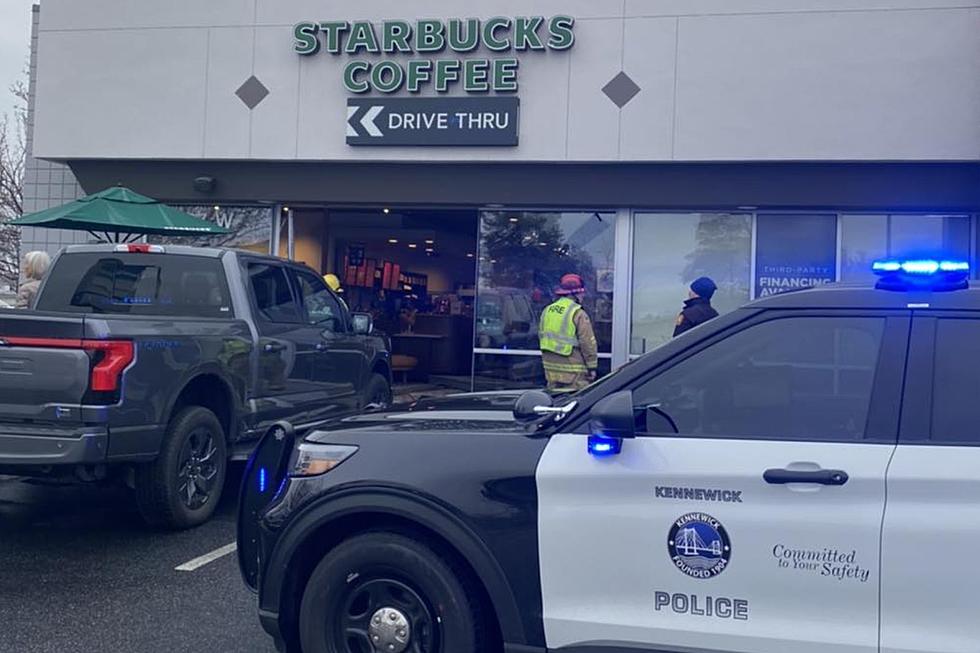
<point x="799" y="476"/>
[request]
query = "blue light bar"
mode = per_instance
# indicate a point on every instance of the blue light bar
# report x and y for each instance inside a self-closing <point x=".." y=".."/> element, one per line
<point x="600" y="445"/>
<point x="919" y="266"/>
<point x="262" y="480"/>
<point x="924" y="274"/>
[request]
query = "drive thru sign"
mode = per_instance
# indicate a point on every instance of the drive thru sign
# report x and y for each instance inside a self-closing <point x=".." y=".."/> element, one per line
<point x="432" y="121"/>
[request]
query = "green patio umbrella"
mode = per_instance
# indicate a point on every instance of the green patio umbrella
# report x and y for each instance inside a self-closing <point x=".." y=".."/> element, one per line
<point x="120" y="211"/>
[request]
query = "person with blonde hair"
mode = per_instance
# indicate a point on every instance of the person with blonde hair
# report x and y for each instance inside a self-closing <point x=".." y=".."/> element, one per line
<point x="35" y="267"/>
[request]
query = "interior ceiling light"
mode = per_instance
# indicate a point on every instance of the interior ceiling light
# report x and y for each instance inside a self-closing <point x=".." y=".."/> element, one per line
<point x="386" y="210"/>
<point x="469" y="254"/>
<point x="393" y="241"/>
<point x="412" y="245"/>
<point x="430" y="242"/>
<point x="513" y="219"/>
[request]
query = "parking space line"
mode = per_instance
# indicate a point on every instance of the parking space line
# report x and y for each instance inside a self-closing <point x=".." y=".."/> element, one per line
<point x="200" y="561"/>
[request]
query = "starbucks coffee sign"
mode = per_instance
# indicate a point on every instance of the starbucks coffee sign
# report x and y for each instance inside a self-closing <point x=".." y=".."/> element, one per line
<point x="427" y="42"/>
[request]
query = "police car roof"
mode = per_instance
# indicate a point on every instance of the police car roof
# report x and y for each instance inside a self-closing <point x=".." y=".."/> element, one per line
<point x="846" y="295"/>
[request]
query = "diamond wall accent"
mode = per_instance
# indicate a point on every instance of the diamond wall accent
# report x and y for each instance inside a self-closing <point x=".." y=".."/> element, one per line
<point x="621" y="89"/>
<point x="252" y="92"/>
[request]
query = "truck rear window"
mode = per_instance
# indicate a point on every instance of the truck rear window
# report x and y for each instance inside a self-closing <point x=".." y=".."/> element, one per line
<point x="137" y="284"/>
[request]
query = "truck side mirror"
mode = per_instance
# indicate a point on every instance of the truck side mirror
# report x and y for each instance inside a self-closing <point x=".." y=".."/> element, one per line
<point x="362" y="324"/>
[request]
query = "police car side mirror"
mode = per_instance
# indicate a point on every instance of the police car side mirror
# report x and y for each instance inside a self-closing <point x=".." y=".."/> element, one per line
<point x="530" y="404"/>
<point x="612" y="416"/>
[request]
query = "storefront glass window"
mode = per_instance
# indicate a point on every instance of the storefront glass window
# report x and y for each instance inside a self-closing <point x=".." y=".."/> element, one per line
<point x="670" y="251"/>
<point x="522" y="257"/>
<point x="249" y="227"/>
<point x="865" y="238"/>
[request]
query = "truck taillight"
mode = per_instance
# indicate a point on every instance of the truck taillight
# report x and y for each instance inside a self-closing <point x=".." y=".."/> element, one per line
<point x="110" y="357"/>
<point x="116" y="355"/>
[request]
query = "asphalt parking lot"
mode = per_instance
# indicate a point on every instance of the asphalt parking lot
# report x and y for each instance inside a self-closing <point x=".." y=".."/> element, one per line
<point x="80" y="572"/>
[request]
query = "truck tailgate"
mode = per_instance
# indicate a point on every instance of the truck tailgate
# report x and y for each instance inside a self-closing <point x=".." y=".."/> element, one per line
<point x="44" y="372"/>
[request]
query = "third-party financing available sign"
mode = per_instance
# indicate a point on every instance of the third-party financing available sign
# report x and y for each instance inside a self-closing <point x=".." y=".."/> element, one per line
<point x="794" y="251"/>
<point x="432" y="121"/>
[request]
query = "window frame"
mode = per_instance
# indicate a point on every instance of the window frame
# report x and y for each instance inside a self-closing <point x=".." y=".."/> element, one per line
<point x="885" y="403"/>
<point x="918" y="398"/>
<point x="294" y="274"/>
<point x="258" y="314"/>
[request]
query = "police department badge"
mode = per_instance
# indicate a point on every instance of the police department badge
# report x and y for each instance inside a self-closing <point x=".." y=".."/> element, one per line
<point x="699" y="545"/>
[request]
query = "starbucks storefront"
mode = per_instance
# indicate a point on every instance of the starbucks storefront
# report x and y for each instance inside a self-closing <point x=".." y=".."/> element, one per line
<point x="637" y="145"/>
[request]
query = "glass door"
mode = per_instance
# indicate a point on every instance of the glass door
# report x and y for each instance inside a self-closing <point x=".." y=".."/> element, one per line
<point x="522" y="257"/>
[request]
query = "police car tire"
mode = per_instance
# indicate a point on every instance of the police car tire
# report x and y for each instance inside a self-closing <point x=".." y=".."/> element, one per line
<point x="447" y="592"/>
<point x="157" y="482"/>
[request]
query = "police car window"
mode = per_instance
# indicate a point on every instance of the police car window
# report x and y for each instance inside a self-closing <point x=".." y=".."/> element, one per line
<point x="807" y="378"/>
<point x="322" y="308"/>
<point x="273" y="298"/>
<point x="955" y="409"/>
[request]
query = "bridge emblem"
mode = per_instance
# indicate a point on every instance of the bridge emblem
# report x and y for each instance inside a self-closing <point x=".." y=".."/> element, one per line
<point x="698" y="545"/>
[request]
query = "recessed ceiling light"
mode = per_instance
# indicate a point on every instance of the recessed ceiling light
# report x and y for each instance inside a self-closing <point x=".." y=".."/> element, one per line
<point x="217" y="208"/>
<point x="429" y="242"/>
<point x="393" y="241"/>
<point x="386" y="210"/>
<point x="513" y="219"/>
<point x="469" y="254"/>
<point x="429" y="250"/>
<point x="412" y="245"/>
<point x="285" y="209"/>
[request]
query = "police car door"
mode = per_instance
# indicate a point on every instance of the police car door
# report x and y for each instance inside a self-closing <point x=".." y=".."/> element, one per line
<point x="932" y="521"/>
<point x="755" y="526"/>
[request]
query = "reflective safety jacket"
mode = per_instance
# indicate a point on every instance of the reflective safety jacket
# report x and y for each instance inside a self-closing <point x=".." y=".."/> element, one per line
<point x="568" y="345"/>
<point x="557" y="331"/>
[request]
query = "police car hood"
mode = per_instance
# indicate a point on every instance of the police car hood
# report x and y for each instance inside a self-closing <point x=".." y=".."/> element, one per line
<point x="460" y="413"/>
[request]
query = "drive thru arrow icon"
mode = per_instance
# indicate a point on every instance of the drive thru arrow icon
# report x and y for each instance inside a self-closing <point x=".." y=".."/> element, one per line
<point x="360" y="120"/>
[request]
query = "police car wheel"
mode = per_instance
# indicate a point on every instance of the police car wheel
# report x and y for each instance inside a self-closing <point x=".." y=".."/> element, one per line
<point x="386" y="592"/>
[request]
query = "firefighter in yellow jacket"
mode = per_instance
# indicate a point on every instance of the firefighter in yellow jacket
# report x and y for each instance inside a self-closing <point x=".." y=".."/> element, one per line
<point x="568" y="347"/>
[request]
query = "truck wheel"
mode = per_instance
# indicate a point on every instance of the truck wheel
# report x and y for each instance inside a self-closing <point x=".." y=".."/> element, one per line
<point x="181" y="488"/>
<point x="386" y="592"/>
<point x="377" y="394"/>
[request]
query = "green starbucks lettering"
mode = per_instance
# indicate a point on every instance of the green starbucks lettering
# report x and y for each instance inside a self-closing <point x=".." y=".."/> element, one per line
<point x="492" y="37"/>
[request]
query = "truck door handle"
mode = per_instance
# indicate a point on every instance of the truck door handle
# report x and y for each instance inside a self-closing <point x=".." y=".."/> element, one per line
<point x="273" y="347"/>
<point x="820" y="476"/>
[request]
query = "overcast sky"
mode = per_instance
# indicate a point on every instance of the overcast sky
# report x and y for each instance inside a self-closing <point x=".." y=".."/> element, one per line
<point x="15" y="43"/>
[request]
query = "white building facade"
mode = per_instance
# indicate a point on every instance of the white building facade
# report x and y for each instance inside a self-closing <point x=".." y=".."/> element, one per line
<point x="768" y="144"/>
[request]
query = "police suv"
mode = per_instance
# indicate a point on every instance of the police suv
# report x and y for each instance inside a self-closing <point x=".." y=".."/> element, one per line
<point x="799" y="476"/>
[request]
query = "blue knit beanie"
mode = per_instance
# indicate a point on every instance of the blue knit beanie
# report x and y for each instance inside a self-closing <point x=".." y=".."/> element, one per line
<point x="704" y="287"/>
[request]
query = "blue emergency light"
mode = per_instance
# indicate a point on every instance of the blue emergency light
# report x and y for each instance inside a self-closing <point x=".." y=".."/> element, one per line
<point x="922" y="274"/>
<point x="600" y="445"/>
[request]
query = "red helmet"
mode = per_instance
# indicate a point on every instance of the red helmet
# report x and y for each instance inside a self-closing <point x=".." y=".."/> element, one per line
<point x="570" y="284"/>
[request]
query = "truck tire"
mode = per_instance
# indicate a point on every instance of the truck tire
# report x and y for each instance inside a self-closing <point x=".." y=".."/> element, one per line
<point x="393" y="587"/>
<point x="181" y="488"/>
<point x="377" y="392"/>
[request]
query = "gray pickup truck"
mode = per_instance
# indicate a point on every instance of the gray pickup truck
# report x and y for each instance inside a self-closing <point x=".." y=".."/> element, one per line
<point x="156" y="365"/>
